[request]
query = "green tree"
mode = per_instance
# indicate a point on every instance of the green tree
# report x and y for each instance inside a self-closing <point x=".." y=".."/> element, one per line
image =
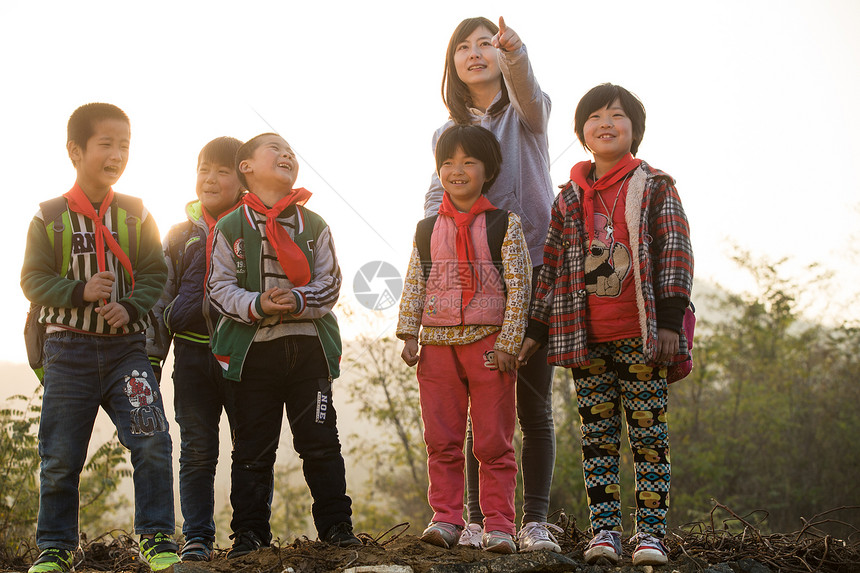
<point x="19" y="465"/>
<point x="764" y="421"/>
<point x="101" y="506"/>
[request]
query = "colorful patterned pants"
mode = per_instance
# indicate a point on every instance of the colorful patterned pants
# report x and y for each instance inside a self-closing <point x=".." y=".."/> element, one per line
<point x="616" y="377"/>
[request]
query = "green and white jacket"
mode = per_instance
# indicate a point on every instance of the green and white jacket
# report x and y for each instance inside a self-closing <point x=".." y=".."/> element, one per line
<point x="243" y="265"/>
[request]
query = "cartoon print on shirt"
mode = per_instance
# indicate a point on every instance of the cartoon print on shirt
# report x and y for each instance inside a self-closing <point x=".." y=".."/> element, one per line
<point x="607" y="262"/>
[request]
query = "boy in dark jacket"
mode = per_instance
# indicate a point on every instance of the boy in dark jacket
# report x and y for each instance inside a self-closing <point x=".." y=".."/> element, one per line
<point x="182" y="314"/>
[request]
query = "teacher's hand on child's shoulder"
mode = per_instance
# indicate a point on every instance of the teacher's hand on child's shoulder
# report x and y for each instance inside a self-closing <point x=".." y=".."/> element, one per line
<point x="506" y="39"/>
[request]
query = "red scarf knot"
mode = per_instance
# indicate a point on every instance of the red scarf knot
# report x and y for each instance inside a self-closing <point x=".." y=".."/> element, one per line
<point x="293" y="261"/>
<point x="465" y="248"/>
<point x="79" y="203"/>
<point x="579" y="174"/>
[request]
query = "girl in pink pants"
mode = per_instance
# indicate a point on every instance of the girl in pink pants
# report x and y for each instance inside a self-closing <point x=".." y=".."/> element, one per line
<point x="465" y="302"/>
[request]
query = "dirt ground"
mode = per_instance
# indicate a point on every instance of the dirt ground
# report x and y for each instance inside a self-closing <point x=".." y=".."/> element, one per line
<point x="306" y="556"/>
<point x="690" y="552"/>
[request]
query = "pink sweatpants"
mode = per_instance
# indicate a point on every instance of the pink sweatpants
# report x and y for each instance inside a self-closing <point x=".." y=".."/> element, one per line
<point x="455" y="382"/>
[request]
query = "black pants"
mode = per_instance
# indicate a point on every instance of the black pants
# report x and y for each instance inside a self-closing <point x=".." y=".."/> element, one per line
<point x="292" y="372"/>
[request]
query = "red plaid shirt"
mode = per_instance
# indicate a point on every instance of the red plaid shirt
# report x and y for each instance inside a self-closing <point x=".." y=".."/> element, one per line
<point x="661" y="251"/>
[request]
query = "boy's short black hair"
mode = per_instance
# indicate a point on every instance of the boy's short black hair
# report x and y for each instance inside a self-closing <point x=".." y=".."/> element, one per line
<point x="601" y="96"/>
<point x="220" y="151"/>
<point x="477" y="142"/>
<point x="82" y="123"/>
<point x="246" y="150"/>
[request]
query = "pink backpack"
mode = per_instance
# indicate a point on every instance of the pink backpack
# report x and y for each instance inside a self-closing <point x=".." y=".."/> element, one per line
<point x="683" y="365"/>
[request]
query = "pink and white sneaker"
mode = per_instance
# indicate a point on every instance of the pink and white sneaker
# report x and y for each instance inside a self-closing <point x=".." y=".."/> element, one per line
<point x="471" y="536"/>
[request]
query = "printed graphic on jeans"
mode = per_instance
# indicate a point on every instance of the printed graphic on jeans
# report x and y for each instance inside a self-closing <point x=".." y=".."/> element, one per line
<point x="138" y="390"/>
<point x="490" y="360"/>
<point x="145" y="419"/>
<point x="322" y="408"/>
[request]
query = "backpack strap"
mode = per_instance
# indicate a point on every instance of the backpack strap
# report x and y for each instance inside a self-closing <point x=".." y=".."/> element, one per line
<point x="129" y="233"/>
<point x="497" y="228"/>
<point x="52" y="215"/>
<point x="423" y="231"/>
<point x="178" y="240"/>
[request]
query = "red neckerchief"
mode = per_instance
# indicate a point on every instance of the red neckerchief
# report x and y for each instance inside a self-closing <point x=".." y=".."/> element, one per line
<point x="210" y="220"/>
<point x="80" y="203"/>
<point x="579" y="174"/>
<point x="292" y="259"/>
<point x="465" y="248"/>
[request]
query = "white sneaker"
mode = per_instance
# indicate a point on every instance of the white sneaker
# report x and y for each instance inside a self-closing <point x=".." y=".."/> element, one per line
<point x="535" y="536"/>
<point x="472" y="536"/>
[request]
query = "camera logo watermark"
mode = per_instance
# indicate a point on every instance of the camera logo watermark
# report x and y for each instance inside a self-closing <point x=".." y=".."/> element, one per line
<point x="377" y="285"/>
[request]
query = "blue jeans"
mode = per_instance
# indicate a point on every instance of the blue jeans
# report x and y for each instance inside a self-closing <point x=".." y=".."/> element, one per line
<point x="199" y="397"/>
<point x="290" y="371"/>
<point x="83" y="372"/>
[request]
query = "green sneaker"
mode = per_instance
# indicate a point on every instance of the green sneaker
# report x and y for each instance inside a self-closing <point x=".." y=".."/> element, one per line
<point x="54" y="559"/>
<point x="159" y="551"/>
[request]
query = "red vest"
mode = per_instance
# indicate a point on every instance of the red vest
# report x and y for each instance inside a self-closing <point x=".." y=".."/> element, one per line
<point x="444" y="292"/>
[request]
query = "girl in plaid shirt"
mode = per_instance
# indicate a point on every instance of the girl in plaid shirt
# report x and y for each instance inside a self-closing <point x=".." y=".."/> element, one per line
<point x="610" y="300"/>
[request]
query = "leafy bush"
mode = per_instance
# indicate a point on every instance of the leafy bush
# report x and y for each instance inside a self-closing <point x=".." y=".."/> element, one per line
<point x="19" y="479"/>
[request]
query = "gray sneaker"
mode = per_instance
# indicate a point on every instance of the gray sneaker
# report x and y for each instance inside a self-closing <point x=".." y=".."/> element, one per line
<point x="649" y="550"/>
<point x="535" y="536"/>
<point x="499" y="542"/>
<point x="442" y="534"/>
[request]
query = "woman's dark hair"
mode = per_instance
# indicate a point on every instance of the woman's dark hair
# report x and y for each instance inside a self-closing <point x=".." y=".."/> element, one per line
<point x="455" y="93"/>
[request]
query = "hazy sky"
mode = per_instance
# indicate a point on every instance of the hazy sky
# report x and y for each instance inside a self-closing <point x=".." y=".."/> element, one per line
<point x="752" y="107"/>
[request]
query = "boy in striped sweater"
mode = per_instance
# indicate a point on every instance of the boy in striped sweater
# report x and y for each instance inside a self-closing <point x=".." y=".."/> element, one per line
<point x="95" y="299"/>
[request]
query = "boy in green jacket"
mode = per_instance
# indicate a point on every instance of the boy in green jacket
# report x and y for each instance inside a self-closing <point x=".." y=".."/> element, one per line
<point x="274" y="278"/>
<point x="96" y="270"/>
